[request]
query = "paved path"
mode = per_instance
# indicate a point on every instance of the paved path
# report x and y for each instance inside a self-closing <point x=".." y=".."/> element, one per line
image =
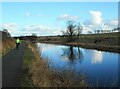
<point x="12" y="67"/>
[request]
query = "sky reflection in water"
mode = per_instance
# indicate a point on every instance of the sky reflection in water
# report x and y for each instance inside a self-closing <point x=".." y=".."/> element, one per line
<point x="97" y="65"/>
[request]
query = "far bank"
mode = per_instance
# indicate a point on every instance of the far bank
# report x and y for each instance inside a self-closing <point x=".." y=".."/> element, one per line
<point x="103" y="42"/>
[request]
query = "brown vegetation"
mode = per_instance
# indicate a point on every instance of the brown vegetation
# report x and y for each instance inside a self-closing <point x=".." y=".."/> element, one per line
<point x="43" y="76"/>
<point x="7" y="43"/>
<point x="105" y="42"/>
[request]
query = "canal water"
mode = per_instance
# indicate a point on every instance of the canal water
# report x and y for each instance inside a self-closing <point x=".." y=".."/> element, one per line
<point x="100" y="67"/>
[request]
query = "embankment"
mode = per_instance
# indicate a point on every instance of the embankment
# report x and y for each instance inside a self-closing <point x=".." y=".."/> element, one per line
<point x="6" y="43"/>
<point x="104" y="42"/>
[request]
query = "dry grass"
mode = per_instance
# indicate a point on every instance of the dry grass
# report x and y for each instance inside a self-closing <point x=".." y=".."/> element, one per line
<point x="42" y="76"/>
<point x="7" y="45"/>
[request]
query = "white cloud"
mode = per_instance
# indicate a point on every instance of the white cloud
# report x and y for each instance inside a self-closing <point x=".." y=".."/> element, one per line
<point x="68" y="17"/>
<point x="41" y="30"/>
<point x="96" y="18"/>
<point x="97" y="57"/>
<point x="92" y="28"/>
<point x="40" y="15"/>
<point x="27" y="14"/>
<point x="87" y="28"/>
<point x="11" y="27"/>
<point x="113" y="22"/>
<point x="96" y="22"/>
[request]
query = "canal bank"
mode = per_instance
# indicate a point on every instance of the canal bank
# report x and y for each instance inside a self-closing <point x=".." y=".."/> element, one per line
<point x="104" y="42"/>
<point x="37" y="73"/>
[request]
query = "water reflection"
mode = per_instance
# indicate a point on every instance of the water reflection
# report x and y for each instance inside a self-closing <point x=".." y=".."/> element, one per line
<point x="71" y="54"/>
<point x="97" y="57"/>
<point x="98" y="65"/>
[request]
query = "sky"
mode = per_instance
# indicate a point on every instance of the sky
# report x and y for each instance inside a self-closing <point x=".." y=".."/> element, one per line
<point x="49" y="18"/>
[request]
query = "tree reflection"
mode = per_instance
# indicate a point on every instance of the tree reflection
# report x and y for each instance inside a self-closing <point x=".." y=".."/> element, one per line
<point x="73" y="54"/>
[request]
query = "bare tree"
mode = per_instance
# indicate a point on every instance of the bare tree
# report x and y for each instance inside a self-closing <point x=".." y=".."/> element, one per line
<point x="79" y="28"/>
<point x="71" y="30"/>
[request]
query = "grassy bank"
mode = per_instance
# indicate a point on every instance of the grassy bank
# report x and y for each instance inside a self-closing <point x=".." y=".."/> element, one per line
<point x="26" y="80"/>
<point x="104" y="42"/>
<point x="7" y="45"/>
<point x="38" y="74"/>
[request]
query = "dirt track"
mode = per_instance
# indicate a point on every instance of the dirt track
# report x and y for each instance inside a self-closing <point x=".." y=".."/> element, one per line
<point x="12" y="67"/>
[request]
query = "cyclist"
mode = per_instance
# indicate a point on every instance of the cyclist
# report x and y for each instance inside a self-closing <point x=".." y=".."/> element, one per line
<point x="17" y="43"/>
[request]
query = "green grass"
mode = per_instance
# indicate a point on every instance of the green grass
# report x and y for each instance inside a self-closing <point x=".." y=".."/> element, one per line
<point x="26" y="80"/>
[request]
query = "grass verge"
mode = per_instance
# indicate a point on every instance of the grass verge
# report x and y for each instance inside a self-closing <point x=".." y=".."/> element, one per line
<point x="26" y="80"/>
<point x="6" y="45"/>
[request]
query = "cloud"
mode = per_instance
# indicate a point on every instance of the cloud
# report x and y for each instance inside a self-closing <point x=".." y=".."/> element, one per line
<point x="11" y="27"/>
<point x="27" y="14"/>
<point x="67" y="17"/>
<point x="97" y="57"/>
<point x="113" y="22"/>
<point x="96" y="18"/>
<point x="96" y="22"/>
<point x="92" y="28"/>
<point x="41" y="30"/>
<point x="88" y="28"/>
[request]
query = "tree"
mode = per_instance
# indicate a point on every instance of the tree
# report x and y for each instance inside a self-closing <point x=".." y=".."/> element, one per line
<point x="89" y="32"/>
<point x="79" y="28"/>
<point x="71" y="30"/>
<point x="97" y="31"/>
<point x="34" y="34"/>
<point x="33" y="37"/>
<point x="7" y="33"/>
<point x="72" y="54"/>
<point x="116" y="29"/>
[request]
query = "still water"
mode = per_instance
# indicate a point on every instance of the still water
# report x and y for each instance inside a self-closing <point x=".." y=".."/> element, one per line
<point x="101" y="68"/>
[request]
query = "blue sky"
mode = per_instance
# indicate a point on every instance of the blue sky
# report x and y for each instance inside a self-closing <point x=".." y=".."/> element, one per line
<point x="49" y="18"/>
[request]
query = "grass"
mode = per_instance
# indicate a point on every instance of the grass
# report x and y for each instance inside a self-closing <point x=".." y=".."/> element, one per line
<point x="7" y="45"/>
<point x="26" y="80"/>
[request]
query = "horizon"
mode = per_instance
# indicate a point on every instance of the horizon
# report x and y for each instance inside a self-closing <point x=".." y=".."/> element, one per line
<point x="49" y="18"/>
